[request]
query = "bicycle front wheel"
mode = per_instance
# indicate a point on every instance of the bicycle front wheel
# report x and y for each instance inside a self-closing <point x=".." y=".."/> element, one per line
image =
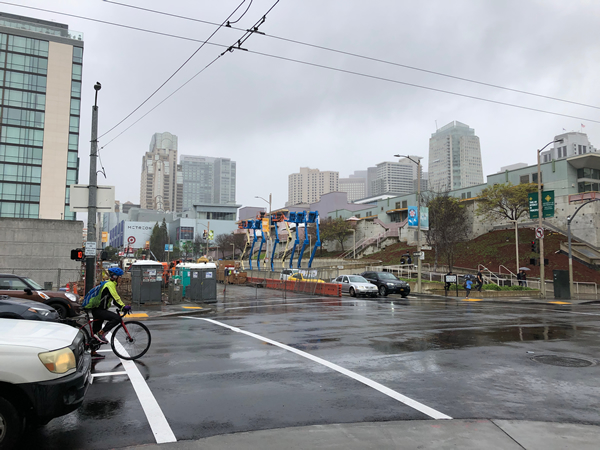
<point x="130" y="340"/>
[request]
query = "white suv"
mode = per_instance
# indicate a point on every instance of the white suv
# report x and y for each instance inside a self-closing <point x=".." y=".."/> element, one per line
<point x="44" y="373"/>
<point x="286" y="273"/>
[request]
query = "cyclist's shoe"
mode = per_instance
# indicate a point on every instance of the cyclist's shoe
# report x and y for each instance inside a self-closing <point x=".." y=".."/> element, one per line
<point x="97" y="356"/>
<point x="101" y="338"/>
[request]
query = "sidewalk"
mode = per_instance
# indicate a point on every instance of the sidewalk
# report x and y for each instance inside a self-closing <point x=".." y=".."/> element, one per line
<point x="418" y="434"/>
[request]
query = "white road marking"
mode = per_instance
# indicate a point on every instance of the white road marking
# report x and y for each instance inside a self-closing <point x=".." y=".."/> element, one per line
<point x="107" y="374"/>
<point x="368" y="382"/>
<point x="156" y="419"/>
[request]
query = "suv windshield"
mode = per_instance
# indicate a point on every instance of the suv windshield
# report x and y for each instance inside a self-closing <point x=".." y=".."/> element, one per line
<point x="33" y="284"/>
<point x="387" y="276"/>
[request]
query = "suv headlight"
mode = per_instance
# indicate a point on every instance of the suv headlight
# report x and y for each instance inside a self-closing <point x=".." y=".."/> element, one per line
<point x="58" y="361"/>
<point x="71" y="297"/>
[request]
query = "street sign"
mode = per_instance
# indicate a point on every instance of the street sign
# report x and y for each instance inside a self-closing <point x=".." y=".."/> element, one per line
<point x="547" y="204"/>
<point x="90" y="248"/>
<point x="419" y="254"/>
<point x="425" y="247"/>
<point x="539" y="233"/>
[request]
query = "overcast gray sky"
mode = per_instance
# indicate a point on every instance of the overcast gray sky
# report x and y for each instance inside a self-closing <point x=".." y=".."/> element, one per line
<point x="273" y="116"/>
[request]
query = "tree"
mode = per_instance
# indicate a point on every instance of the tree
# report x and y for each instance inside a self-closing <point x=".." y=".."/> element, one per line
<point x="335" y="230"/>
<point x="504" y="201"/>
<point x="223" y="242"/>
<point x="239" y="240"/>
<point x="158" y="239"/>
<point x="198" y="247"/>
<point x="447" y="226"/>
<point x="112" y="253"/>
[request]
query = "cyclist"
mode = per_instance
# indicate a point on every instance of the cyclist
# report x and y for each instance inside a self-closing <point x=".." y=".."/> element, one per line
<point x="99" y="305"/>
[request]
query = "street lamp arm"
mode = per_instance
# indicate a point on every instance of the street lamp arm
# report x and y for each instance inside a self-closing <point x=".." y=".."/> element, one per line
<point x="553" y="142"/>
<point x="570" y="218"/>
<point x="418" y="162"/>
<point x="257" y="196"/>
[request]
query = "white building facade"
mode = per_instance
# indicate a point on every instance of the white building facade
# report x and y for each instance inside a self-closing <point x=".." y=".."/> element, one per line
<point x="161" y="185"/>
<point x="308" y="185"/>
<point x="454" y="158"/>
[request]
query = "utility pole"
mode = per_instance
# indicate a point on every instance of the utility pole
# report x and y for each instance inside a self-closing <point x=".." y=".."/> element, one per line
<point x="540" y="217"/>
<point x="90" y="261"/>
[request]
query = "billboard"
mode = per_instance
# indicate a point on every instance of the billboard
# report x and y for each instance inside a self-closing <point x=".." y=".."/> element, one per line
<point x="185" y="233"/>
<point x="413" y="219"/>
<point x="132" y="234"/>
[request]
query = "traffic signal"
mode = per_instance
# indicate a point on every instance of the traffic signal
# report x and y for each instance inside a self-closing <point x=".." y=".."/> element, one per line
<point x="204" y="234"/>
<point x="533" y="247"/>
<point x="77" y="254"/>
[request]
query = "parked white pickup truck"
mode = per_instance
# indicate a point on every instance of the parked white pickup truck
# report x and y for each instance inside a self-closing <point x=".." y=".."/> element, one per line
<point x="44" y="373"/>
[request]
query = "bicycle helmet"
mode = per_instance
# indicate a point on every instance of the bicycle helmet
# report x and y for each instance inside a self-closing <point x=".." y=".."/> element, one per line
<point x="115" y="271"/>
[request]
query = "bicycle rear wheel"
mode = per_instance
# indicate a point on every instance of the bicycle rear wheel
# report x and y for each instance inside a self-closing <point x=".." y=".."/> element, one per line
<point x="130" y="340"/>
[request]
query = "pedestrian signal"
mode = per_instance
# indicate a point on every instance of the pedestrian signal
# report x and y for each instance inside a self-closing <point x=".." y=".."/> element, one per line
<point x="77" y="254"/>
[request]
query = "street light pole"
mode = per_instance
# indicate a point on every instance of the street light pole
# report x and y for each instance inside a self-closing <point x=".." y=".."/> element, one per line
<point x="354" y="243"/>
<point x="540" y="216"/>
<point x="517" y="243"/>
<point x="233" y="251"/>
<point x="90" y="261"/>
<point x="418" y="163"/>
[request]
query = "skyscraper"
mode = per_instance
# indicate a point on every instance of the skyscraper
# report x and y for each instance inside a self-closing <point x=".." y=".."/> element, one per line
<point x="454" y="158"/>
<point x="207" y="180"/>
<point x="308" y="185"/>
<point x="160" y="184"/>
<point x="41" y="65"/>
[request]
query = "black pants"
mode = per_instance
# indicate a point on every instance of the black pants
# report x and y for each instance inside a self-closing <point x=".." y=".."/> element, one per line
<point x="479" y="285"/>
<point x="100" y="315"/>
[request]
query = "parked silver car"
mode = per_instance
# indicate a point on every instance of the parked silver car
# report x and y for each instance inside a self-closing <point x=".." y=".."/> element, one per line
<point x="356" y="285"/>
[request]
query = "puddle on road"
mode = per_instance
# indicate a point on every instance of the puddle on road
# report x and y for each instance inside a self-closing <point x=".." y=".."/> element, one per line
<point x="459" y="338"/>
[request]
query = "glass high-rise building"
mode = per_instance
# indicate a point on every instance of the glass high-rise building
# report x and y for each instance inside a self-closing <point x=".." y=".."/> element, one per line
<point x="40" y="101"/>
<point x="454" y="158"/>
<point x="207" y="180"/>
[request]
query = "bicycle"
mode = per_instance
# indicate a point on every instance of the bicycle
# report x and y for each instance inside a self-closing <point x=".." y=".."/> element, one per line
<point x="134" y="337"/>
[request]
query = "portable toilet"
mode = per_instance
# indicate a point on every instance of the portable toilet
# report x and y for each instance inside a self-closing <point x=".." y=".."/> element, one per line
<point x="203" y="283"/>
<point x="183" y="271"/>
<point x="146" y="282"/>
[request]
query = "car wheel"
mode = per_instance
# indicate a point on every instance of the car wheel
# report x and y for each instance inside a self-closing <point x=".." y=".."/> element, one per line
<point x="352" y="292"/>
<point x="60" y="309"/>
<point x="383" y="291"/>
<point x="10" y="424"/>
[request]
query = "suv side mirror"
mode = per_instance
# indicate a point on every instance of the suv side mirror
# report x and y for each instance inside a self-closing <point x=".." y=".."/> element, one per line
<point x="28" y="291"/>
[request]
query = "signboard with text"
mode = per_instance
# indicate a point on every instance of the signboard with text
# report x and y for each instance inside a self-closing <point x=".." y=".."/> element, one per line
<point x="547" y="205"/>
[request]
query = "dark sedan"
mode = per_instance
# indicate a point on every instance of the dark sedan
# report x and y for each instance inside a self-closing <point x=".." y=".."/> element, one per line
<point x="16" y="308"/>
<point x="387" y="283"/>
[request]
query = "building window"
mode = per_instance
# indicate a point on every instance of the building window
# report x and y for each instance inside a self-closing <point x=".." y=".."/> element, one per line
<point x="524" y="179"/>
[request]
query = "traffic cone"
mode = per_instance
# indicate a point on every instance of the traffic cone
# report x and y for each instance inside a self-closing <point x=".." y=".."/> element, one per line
<point x="68" y="287"/>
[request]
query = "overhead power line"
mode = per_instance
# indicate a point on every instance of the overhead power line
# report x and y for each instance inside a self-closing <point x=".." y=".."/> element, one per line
<point x="174" y="73"/>
<point x="369" y="58"/>
<point x="389" y="80"/>
<point x="251" y="31"/>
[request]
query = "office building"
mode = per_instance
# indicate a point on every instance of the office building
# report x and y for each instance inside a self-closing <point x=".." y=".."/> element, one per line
<point x="308" y="185"/>
<point x="573" y="143"/>
<point x="355" y="185"/>
<point x="396" y="177"/>
<point x="41" y="66"/>
<point x="161" y="182"/>
<point x="207" y="180"/>
<point x="454" y="158"/>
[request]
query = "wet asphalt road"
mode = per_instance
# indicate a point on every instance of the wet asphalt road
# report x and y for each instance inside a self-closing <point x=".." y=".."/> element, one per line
<point x="462" y="359"/>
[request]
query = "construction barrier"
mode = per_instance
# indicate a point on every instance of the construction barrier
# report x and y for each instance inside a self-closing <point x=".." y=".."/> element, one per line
<point x="327" y="289"/>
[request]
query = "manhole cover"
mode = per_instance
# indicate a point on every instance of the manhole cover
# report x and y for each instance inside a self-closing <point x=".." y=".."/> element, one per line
<point x="562" y="361"/>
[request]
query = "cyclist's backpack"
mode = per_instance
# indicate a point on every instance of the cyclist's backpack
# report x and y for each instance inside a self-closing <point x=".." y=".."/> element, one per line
<point x="92" y="294"/>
